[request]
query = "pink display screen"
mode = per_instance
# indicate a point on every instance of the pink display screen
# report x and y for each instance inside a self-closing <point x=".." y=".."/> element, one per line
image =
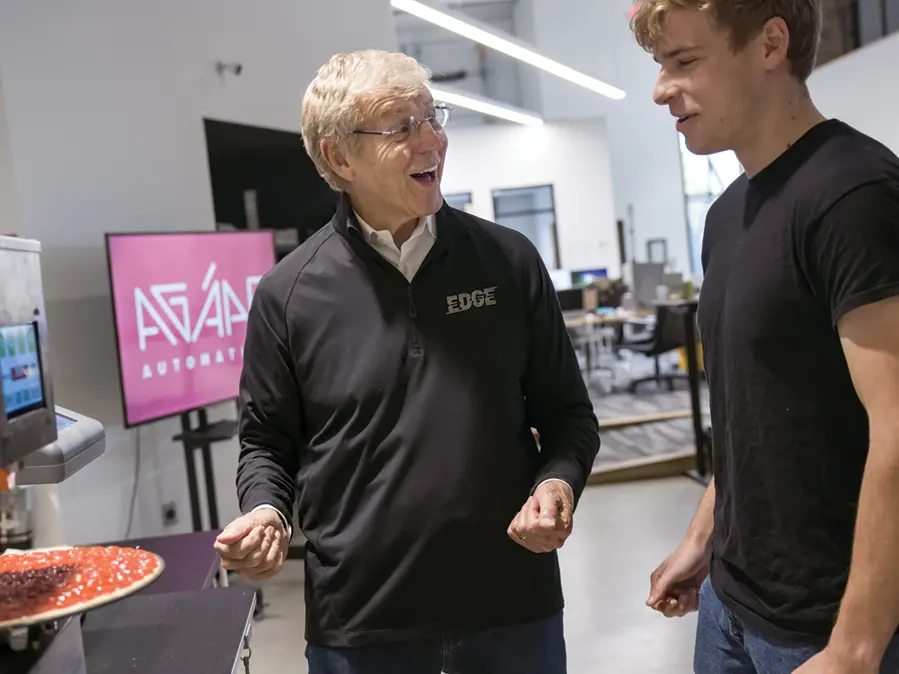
<point x="181" y="302"/>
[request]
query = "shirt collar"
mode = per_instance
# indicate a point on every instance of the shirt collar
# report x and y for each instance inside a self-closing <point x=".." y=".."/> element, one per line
<point x="373" y="235"/>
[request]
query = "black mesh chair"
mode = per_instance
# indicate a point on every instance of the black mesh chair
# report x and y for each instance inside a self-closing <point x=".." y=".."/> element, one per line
<point x="667" y="336"/>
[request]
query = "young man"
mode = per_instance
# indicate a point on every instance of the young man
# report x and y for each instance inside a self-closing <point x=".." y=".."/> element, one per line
<point x="799" y="316"/>
<point x="394" y="367"/>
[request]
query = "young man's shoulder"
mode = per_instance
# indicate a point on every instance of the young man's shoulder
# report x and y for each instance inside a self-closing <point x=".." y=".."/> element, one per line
<point x="849" y="159"/>
<point x="837" y="161"/>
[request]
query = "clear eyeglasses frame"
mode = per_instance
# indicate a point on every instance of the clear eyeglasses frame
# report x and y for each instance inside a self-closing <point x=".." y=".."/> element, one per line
<point x="412" y="125"/>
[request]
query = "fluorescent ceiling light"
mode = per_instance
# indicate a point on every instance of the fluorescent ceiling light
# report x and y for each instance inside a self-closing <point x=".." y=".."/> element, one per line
<point x="517" y="49"/>
<point x="486" y="106"/>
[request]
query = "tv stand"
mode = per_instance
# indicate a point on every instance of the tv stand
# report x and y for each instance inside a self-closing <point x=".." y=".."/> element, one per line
<point x="200" y="438"/>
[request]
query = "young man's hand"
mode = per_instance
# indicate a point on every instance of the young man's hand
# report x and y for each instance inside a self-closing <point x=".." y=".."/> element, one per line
<point x="546" y="519"/>
<point x="254" y="545"/>
<point x="675" y="585"/>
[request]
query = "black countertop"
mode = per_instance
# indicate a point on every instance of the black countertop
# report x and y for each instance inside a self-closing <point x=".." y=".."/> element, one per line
<point x="191" y="563"/>
<point x="190" y="632"/>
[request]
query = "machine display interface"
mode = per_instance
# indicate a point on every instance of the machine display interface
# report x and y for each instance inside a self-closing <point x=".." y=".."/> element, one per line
<point x="20" y="369"/>
<point x="63" y="422"/>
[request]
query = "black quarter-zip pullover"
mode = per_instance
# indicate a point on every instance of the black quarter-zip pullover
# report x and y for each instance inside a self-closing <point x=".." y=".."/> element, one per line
<point x="398" y="415"/>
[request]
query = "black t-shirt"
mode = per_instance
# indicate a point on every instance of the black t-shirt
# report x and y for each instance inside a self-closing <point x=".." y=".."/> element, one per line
<point x="786" y="254"/>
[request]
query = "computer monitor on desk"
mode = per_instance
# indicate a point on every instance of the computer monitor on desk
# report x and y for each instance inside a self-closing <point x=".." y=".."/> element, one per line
<point x="571" y="299"/>
<point x="585" y="277"/>
<point x="648" y="276"/>
<point x="561" y="278"/>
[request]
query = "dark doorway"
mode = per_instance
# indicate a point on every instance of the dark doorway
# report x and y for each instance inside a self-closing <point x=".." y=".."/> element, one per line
<point x="263" y="178"/>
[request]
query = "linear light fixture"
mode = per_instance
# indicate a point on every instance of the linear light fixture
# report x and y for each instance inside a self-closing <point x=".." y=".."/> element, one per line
<point x="486" y="106"/>
<point x="490" y="37"/>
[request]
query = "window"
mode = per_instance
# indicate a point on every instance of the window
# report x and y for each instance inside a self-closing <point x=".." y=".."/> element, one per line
<point x="461" y="201"/>
<point x="705" y="178"/>
<point x="531" y="211"/>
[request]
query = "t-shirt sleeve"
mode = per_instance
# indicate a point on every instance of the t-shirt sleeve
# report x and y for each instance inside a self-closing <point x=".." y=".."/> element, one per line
<point x="852" y="253"/>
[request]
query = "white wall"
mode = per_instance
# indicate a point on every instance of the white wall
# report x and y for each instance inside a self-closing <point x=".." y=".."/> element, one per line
<point x="105" y="103"/>
<point x="862" y="89"/>
<point x="594" y="37"/>
<point x="9" y="218"/>
<point x="573" y="157"/>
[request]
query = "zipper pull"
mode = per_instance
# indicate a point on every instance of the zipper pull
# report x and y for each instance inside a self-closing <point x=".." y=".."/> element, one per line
<point x="413" y="312"/>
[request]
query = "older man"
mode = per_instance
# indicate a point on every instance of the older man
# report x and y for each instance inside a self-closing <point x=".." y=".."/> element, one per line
<point x="394" y="367"/>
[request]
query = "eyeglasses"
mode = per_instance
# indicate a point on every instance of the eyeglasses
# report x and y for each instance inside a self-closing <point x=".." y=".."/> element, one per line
<point x="412" y="125"/>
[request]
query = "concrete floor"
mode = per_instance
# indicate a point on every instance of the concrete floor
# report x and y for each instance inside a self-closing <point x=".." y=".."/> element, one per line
<point x="621" y="533"/>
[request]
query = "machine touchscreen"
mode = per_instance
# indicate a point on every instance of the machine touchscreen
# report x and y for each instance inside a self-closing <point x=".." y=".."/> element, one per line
<point x="20" y="369"/>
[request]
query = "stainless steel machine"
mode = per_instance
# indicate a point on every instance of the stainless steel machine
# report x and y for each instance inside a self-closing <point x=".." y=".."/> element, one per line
<point x="38" y="443"/>
<point x="41" y="443"/>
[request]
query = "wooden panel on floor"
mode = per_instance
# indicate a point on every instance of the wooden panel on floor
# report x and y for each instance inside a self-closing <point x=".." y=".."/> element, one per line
<point x="624" y="422"/>
<point x="670" y="464"/>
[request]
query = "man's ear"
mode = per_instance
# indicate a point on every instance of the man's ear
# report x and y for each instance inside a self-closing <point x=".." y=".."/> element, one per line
<point x="336" y="157"/>
<point x="775" y="38"/>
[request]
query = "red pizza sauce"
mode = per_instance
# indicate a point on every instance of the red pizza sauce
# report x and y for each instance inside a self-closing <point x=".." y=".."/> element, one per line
<point x="37" y="582"/>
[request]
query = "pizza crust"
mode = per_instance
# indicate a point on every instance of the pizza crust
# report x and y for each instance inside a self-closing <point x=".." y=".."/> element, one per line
<point x="90" y="604"/>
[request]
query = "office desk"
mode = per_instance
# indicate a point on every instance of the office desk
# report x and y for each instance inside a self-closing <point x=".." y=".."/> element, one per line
<point x="587" y="329"/>
<point x="576" y="320"/>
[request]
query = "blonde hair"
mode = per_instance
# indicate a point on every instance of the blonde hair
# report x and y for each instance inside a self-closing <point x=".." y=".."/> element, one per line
<point x="334" y="102"/>
<point x="742" y="19"/>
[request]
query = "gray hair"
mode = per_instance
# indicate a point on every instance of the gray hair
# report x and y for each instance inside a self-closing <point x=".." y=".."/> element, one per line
<point x="334" y="100"/>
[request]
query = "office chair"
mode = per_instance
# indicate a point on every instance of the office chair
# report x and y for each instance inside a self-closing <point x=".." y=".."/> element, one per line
<point x="666" y="336"/>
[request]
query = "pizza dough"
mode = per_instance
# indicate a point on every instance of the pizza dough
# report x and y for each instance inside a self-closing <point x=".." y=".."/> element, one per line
<point x="44" y="585"/>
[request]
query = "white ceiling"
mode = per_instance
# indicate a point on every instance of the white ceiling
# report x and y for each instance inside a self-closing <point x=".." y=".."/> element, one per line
<point x="488" y="11"/>
<point x="485" y="72"/>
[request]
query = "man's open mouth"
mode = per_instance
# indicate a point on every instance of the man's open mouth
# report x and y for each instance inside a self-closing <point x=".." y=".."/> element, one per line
<point x="681" y="120"/>
<point x="428" y="177"/>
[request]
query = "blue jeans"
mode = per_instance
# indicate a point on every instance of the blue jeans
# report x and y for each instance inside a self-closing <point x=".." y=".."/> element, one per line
<point x="724" y="645"/>
<point x="532" y="648"/>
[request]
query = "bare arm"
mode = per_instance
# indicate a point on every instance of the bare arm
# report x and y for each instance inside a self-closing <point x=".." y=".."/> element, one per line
<point x="869" y="614"/>
<point x="700" y="531"/>
<point x="675" y="585"/>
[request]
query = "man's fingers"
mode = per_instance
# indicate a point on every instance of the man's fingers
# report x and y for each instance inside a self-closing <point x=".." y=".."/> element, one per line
<point x="253" y="557"/>
<point x="234" y="532"/>
<point x="653" y="582"/>
<point x="669" y="607"/>
<point x="273" y="562"/>
<point x="659" y="586"/>
<point x="677" y="607"/>
<point x="243" y="547"/>
<point x="549" y="506"/>
<point x="555" y="511"/>
<point x="515" y="527"/>
<point x="556" y="503"/>
<point x="530" y="515"/>
<point x="690" y="599"/>
<point x="534" y="545"/>
<point x="530" y="530"/>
